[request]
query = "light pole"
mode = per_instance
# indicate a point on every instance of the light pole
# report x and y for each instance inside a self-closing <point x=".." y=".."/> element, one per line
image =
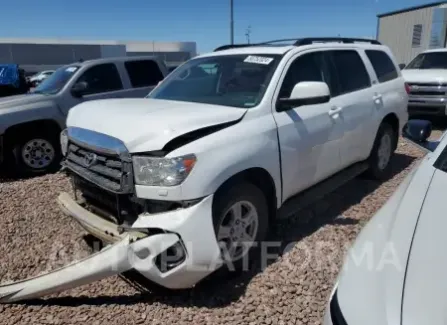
<point x="231" y="23"/>
<point x="247" y="34"/>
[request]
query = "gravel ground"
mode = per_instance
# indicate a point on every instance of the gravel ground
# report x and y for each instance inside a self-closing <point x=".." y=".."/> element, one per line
<point x="291" y="289"/>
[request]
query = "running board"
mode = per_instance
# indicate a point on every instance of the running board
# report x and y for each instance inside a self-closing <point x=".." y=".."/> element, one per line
<point x="112" y="260"/>
<point x="318" y="191"/>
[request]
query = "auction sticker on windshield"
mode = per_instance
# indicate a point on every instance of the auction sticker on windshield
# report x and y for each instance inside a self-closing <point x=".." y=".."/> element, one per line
<point x="71" y="69"/>
<point x="258" y="59"/>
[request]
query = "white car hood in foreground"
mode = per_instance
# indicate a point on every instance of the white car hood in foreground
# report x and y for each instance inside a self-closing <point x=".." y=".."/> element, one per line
<point x="425" y="294"/>
<point x="425" y="75"/>
<point x="148" y="124"/>
<point x="371" y="284"/>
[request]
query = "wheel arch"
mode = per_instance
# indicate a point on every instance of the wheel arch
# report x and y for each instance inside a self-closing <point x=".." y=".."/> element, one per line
<point x="259" y="177"/>
<point x="392" y="120"/>
<point x="48" y="125"/>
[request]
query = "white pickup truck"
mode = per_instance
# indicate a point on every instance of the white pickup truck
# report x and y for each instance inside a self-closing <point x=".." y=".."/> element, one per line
<point x="426" y="76"/>
<point x="192" y="177"/>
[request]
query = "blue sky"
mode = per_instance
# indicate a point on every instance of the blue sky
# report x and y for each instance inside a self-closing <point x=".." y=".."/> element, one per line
<point x="203" y="21"/>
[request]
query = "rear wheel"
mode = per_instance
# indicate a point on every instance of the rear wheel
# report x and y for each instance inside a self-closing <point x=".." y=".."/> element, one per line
<point x="383" y="149"/>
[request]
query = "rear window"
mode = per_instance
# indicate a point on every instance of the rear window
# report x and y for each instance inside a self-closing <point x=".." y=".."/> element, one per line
<point x="382" y="64"/>
<point x="143" y="73"/>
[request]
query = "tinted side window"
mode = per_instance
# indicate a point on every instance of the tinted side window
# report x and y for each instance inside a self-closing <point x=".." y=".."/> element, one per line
<point x="102" y="78"/>
<point x="351" y="72"/>
<point x="308" y="67"/>
<point x="382" y="64"/>
<point x="143" y="73"/>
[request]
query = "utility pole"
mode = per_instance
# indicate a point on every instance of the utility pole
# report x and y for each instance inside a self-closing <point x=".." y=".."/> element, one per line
<point x="247" y="34"/>
<point x="231" y="22"/>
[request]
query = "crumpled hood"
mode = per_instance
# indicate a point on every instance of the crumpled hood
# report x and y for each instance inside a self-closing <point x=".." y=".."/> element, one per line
<point x="19" y="100"/>
<point x="371" y="283"/>
<point x="425" y="75"/>
<point x="148" y="124"/>
<point x="425" y="285"/>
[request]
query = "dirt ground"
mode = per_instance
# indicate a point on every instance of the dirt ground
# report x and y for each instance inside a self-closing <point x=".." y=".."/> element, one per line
<point x="292" y="289"/>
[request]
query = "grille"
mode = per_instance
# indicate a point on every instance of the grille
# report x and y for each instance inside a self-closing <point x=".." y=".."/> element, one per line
<point x="118" y="208"/>
<point x="428" y="93"/>
<point x="425" y="84"/>
<point x="108" y="171"/>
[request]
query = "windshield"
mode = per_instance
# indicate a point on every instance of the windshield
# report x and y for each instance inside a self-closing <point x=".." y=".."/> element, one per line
<point x="230" y="80"/>
<point x="57" y="80"/>
<point x="433" y="60"/>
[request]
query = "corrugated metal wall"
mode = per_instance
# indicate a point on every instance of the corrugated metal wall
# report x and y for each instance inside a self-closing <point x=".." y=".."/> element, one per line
<point x="396" y="31"/>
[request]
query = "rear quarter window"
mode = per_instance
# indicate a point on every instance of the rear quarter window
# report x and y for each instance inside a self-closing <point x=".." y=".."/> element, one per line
<point x="383" y="65"/>
<point x="143" y="73"/>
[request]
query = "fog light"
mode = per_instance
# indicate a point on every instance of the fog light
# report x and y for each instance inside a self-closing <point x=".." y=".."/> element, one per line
<point x="171" y="258"/>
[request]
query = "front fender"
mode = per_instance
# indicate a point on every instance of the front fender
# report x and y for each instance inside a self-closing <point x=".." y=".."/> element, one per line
<point x="251" y="143"/>
<point x="248" y="144"/>
<point x="30" y="112"/>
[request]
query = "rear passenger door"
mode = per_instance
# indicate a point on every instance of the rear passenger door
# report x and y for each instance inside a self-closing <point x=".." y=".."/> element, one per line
<point x="389" y="89"/>
<point x="144" y="75"/>
<point x="352" y="93"/>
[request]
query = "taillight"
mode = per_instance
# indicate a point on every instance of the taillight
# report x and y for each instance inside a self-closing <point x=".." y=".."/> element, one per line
<point x="407" y="88"/>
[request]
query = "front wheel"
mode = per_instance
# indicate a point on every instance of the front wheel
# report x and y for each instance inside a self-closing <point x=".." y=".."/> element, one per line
<point x="36" y="154"/>
<point x="240" y="218"/>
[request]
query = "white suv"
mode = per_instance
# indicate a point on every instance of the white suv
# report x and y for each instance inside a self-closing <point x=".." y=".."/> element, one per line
<point x="190" y="178"/>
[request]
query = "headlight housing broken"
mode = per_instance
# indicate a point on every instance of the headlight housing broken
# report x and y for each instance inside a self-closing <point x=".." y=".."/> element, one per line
<point x="161" y="171"/>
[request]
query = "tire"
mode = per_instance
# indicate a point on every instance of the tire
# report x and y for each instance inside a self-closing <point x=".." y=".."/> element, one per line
<point x="248" y="199"/>
<point x="37" y="153"/>
<point x="383" y="149"/>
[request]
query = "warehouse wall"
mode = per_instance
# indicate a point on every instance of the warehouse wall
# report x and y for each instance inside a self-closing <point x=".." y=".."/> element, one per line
<point x="43" y="54"/>
<point x="396" y="31"/>
<point x="37" y="55"/>
<point x="165" y="56"/>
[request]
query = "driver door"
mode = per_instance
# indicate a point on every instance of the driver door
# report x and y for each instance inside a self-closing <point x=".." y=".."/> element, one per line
<point x="310" y="136"/>
<point x="103" y="82"/>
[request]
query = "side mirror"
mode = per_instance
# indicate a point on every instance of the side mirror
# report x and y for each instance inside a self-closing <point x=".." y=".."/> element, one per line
<point x="79" y="89"/>
<point x="402" y="65"/>
<point x="418" y="131"/>
<point x="305" y="93"/>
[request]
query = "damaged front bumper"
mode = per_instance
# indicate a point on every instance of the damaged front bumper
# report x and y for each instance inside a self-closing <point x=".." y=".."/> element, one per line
<point x="139" y="248"/>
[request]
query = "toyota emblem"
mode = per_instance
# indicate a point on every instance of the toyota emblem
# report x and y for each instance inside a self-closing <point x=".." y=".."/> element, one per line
<point x="90" y="159"/>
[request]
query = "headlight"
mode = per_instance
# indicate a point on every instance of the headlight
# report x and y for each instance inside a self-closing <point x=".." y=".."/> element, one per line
<point x="154" y="171"/>
<point x="64" y="142"/>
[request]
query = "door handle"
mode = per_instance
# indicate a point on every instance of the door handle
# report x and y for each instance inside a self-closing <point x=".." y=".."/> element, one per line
<point x="334" y="111"/>
<point x="377" y="99"/>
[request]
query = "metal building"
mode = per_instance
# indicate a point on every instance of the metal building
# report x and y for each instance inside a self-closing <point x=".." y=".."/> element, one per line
<point x="45" y="54"/>
<point x="413" y="30"/>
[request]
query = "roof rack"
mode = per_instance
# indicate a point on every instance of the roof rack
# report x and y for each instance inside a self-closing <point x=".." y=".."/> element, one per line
<point x="302" y="41"/>
<point x="232" y="46"/>
<point x="311" y="40"/>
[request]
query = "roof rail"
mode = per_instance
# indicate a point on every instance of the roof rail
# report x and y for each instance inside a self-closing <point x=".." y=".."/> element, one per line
<point x="232" y="46"/>
<point x="311" y="40"/>
<point x="302" y="41"/>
